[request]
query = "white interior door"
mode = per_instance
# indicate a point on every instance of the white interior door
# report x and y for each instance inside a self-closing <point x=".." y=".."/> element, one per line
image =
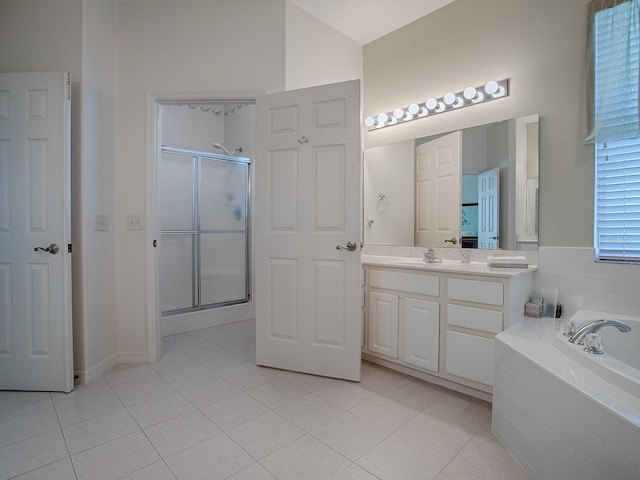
<point x="438" y="191"/>
<point x="308" y="202"/>
<point x="35" y="285"/>
<point x="488" y="218"/>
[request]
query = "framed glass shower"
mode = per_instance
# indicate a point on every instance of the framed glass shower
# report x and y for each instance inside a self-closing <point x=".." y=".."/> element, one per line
<point x="204" y="201"/>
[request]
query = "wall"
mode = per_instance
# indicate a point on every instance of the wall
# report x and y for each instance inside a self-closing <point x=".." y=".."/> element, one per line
<point x="96" y="249"/>
<point x="539" y="46"/>
<point x="188" y="47"/>
<point x="78" y="36"/>
<point x="389" y="170"/>
<point x="317" y="54"/>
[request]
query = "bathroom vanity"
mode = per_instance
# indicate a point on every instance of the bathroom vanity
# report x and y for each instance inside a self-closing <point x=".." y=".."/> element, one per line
<point x="437" y="321"/>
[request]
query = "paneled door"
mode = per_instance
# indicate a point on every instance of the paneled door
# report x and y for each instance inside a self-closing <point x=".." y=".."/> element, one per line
<point x="35" y="228"/>
<point x="488" y="218"/>
<point x="438" y="181"/>
<point x="307" y="230"/>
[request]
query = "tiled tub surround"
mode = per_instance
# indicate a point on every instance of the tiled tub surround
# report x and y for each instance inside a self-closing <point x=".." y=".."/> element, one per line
<point x="586" y="284"/>
<point x="558" y="418"/>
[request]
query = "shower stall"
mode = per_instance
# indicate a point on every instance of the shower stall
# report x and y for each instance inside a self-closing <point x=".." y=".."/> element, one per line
<point x="204" y="203"/>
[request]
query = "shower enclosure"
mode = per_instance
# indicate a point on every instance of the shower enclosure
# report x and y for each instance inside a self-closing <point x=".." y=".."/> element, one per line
<point x="204" y="221"/>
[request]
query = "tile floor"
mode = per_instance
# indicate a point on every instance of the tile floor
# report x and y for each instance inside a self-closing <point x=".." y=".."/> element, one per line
<point x="205" y="411"/>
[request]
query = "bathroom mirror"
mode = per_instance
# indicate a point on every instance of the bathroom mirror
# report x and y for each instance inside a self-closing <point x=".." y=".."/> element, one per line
<point x="473" y="188"/>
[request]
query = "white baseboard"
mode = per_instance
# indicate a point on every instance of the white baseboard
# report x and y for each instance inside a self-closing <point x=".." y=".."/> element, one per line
<point x="96" y="371"/>
<point x="132" y="357"/>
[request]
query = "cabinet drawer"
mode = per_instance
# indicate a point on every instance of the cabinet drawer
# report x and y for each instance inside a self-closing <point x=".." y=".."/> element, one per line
<point x="405" y="282"/>
<point x="470" y="357"/>
<point x="477" y="291"/>
<point x="475" y="318"/>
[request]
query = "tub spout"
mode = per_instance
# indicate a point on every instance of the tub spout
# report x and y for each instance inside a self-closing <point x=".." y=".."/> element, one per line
<point x="593" y="327"/>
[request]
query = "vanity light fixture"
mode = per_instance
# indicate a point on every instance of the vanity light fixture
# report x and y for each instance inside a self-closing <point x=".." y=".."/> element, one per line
<point x="450" y="101"/>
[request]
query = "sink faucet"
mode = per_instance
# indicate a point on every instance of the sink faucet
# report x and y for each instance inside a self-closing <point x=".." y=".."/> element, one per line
<point x="594" y="326"/>
<point x="430" y="256"/>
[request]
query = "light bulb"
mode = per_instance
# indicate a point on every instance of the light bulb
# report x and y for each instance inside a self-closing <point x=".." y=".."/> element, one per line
<point x="393" y="121"/>
<point x="398" y="113"/>
<point x="431" y="103"/>
<point x="382" y="118"/>
<point x="479" y="98"/>
<point x="440" y="108"/>
<point x="449" y="98"/>
<point x="500" y="93"/>
<point x="414" y="108"/>
<point x="458" y="103"/>
<point x="491" y="87"/>
<point x="469" y="93"/>
<point x="423" y="112"/>
<point x="369" y="122"/>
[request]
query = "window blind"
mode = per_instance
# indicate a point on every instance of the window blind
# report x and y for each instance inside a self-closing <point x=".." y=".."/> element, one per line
<point x="617" y="146"/>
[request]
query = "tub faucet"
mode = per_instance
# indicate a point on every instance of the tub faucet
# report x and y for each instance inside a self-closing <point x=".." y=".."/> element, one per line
<point x="430" y="256"/>
<point x="594" y="326"/>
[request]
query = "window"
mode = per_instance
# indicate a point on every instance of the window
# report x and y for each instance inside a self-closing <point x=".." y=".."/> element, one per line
<point x="616" y="49"/>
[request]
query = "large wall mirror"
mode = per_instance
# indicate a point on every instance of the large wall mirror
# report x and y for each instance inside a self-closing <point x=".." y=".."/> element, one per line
<point x="472" y="188"/>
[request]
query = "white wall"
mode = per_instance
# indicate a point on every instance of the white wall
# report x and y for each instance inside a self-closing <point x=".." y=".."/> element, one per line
<point x="197" y="47"/>
<point x="317" y="54"/>
<point x="78" y="36"/>
<point x="539" y="46"/>
<point x="389" y="170"/>
<point x="96" y="249"/>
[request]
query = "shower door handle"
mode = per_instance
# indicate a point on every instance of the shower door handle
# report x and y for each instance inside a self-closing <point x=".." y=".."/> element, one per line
<point x="350" y="246"/>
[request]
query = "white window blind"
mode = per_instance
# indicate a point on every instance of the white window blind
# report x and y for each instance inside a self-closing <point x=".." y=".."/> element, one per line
<point x="617" y="147"/>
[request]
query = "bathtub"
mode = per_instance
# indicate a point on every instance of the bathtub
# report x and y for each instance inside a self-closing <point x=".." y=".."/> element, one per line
<point x="620" y="363"/>
<point x="565" y="414"/>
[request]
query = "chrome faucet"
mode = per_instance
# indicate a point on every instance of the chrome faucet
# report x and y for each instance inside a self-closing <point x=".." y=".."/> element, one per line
<point x="594" y="326"/>
<point x="430" y="256"/>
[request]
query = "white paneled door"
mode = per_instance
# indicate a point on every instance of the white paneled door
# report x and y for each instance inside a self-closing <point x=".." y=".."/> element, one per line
<point x="438" y="205"/>
<point x="307" y="212"/>
<point x="488" y="218"/>
<point x="35" y="276"/>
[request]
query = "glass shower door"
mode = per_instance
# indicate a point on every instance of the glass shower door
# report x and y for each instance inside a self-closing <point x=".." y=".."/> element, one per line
<point x="204" y="246"/>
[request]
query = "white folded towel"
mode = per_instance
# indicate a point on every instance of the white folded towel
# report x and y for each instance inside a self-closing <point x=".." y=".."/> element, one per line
<point x="508" y="262"/>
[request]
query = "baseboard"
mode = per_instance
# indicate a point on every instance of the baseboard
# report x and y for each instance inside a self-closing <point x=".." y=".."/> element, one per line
<point x="132" y="357"/>
<point x="96" y="371"/>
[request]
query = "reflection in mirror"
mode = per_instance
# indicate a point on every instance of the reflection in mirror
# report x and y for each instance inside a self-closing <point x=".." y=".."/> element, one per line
<point x="473" y="188"/>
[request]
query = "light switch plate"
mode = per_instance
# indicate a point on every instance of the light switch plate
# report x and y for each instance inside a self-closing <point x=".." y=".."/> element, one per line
<point x="135" y="222"/>
<point x="102" y="223"/>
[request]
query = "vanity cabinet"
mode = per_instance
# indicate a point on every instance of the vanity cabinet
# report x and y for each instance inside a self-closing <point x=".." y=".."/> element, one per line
<point x="440" y="325"/>
<point x="402" y="324"/>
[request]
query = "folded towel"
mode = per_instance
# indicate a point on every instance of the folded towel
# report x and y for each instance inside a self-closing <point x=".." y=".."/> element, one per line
<point x="508" y="262"/>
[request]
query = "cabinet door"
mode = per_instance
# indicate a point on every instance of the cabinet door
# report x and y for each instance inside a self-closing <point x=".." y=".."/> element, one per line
<point x="383" y="324"/>
<point x="421" y="333"/>
<point x="470" y="356"/>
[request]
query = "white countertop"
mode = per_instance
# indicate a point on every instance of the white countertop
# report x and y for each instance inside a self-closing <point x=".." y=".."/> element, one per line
<point x="446" y="266"/>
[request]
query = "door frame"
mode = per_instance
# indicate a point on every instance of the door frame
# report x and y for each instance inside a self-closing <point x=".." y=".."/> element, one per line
<point x="152" y="229"/>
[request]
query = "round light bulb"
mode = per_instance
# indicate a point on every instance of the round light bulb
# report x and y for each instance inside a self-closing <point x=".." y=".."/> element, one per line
<point x="469" y="93"/>
<point x="382" y="118"/>
<point x="398" y="113"/>
<point x="431" y="103"/>
<point x="369" y="122"/>
<point x="458" y="103"/>
<point x="423" y="112"/>
<point x="449" y="98"/>
<point x="440" y="108"/>
<point x="414" y="108"/>
<point x="491" y="87"/>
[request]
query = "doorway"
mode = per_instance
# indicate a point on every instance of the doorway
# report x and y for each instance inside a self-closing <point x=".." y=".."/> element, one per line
<point x="203" y="186"/>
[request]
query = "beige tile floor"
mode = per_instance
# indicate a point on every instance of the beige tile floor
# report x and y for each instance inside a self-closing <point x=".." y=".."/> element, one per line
<point x="205" y="411"/>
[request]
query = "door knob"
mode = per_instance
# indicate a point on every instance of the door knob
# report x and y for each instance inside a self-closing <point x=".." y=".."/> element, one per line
<point x="453" y="240"/>
<point x="52" y="249"/>
<point x="350" y="246"/>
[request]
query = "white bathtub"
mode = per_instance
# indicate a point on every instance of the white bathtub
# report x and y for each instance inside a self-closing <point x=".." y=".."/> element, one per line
<point x="620" y="363"/>
<point x="562" y="413"/>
